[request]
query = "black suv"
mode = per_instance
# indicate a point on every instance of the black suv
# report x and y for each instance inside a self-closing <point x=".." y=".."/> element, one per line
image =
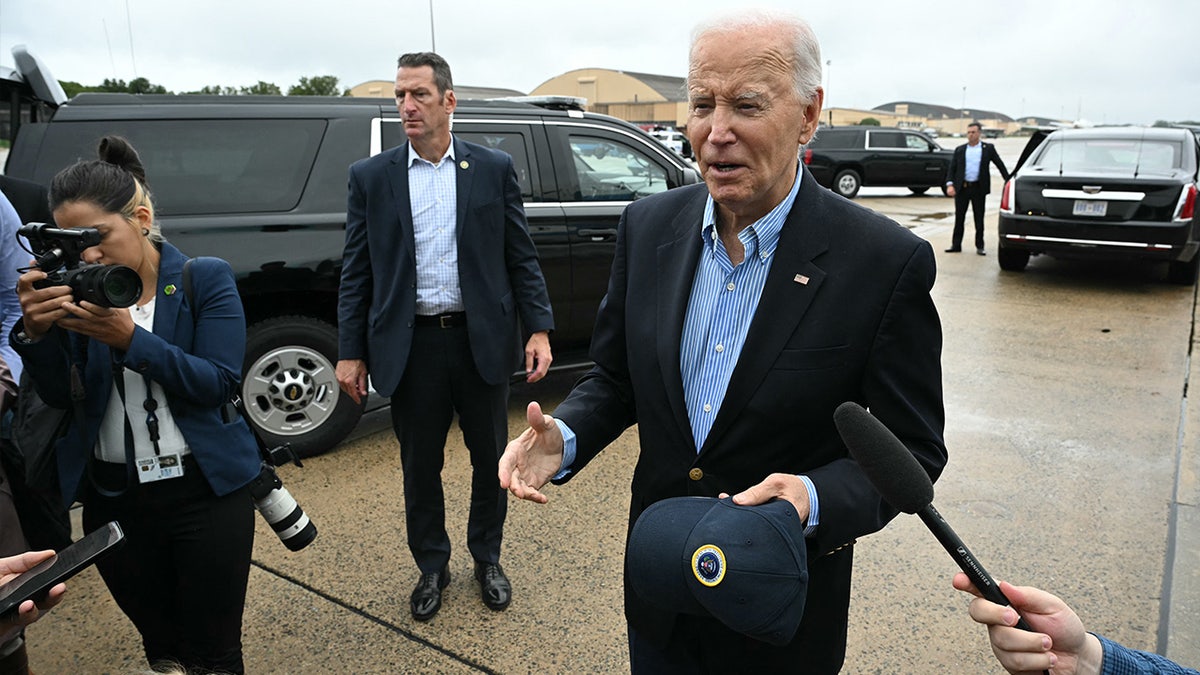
<point x="261" y="182"/>
<point x="844" y="159"/>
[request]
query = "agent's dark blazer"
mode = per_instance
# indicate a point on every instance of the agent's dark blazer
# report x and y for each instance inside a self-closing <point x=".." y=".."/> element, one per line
<point x="197" y="362"/>
<point x="497" y="265"/>
<point x="845" y="315"/>
<point x="31" y="200"/>
<point x="957" y="170"/>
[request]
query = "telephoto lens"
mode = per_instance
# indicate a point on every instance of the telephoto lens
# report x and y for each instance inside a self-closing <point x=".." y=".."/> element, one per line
<point x="281" y="511"/>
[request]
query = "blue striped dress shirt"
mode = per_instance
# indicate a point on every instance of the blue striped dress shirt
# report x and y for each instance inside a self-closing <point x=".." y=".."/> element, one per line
<point x="433" y="192"/>
<point x="720" y="309"/>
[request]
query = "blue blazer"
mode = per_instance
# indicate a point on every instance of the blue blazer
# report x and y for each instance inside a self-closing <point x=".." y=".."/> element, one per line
<point x="845" y="315"/>
<point x="497" y="265"/>
<point x="198" y="363"/>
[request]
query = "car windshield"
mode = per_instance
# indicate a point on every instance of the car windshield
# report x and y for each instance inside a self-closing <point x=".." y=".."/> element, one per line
<point x="1123" y="155"/>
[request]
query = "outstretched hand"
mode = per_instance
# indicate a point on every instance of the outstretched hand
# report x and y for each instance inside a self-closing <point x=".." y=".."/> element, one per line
<point x="1059" y="644"/>
<point x="531" y="459"/>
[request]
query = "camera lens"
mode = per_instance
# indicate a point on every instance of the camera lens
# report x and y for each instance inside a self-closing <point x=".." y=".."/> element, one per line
<point x="105" y="285"/>
<point x="121" y="286"/>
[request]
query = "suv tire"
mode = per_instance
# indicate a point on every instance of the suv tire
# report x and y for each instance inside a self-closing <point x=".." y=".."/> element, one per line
<point x="1012" y="260"/>
<point x="919" y="190"/>
<point x="846" y="183"/>
<point x="290" y="388"/>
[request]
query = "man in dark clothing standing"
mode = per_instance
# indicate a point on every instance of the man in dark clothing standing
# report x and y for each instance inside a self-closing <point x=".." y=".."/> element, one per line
<point x="969" y="181"/>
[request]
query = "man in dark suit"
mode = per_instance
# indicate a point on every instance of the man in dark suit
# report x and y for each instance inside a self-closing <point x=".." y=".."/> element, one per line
<point x="28" y="198"/>
<point x="438" y="267"/>
<point x="739" y="315"/>
<point x="969" y="181"/>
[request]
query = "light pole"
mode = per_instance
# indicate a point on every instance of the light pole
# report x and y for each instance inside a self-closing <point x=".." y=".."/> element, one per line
<point x="828" y="81"/>
<point x="432" y="36"/>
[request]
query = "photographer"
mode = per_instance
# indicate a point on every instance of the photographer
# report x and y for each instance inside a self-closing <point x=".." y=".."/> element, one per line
<point x="148" y="446"/>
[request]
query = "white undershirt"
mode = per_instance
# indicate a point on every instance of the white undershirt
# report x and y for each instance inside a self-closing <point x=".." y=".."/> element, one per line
<point x="110" y="444"/>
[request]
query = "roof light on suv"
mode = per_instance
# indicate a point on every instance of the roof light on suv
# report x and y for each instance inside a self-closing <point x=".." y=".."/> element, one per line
<point x="1186" y="208"/>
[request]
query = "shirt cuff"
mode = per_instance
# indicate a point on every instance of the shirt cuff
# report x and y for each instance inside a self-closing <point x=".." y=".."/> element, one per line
<point x="568" y="457"/>
<point x="814" y="508"/>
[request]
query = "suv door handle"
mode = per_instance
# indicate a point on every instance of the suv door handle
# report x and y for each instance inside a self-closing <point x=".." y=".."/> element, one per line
<point x="598" y="235"/>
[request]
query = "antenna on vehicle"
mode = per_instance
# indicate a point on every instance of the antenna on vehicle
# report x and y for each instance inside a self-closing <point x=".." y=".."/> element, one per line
<point x="1137" y="165"/>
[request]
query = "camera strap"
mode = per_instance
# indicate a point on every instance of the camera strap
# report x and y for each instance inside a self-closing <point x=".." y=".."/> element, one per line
<point x="118" y="374"/>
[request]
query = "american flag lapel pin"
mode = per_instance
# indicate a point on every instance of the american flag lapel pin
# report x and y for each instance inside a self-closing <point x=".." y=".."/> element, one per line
<point x="800" y="279"/>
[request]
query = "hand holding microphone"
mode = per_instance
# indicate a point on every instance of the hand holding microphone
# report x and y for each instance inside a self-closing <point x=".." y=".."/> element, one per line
<point x="898" y="476"/>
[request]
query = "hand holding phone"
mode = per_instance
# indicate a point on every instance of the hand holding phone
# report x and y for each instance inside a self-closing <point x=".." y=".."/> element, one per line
<point x="33" y="581"/>
<point x="28" y="611"/>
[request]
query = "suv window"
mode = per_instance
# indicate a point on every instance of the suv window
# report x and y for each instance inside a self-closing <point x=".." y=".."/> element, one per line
<point x="885" y="139"/>
<point x="837" y="138"/>
<point x="916" y="142"/>
<point x="612" y="171"/>
<point x="515" y="143"/>
<point x="254" y="165"/>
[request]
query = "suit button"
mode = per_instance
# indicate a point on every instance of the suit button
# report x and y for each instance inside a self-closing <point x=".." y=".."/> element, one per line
<point x="696" y="474"/>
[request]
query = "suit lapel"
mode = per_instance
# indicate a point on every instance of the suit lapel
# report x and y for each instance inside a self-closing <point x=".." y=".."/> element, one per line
<point x="792" y="283"/>
<point x="397" y="172"/>
<point x="168" y="297"/>
<point x="676" y="261"/>
<point x="464" y="173"/>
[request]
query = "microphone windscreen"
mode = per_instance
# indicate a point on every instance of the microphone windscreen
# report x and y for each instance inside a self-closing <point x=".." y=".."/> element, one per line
<point x="889" y="465"/>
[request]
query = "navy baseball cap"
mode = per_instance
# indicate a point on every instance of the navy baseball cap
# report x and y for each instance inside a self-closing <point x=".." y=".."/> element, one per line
<point x="745" y="566"/>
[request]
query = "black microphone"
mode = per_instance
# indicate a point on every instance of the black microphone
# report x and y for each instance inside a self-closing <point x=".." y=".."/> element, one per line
<point x="904" y="484"/>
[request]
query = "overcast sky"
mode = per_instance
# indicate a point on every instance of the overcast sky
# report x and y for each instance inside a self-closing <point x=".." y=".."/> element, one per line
<point x="1102" y="60"/>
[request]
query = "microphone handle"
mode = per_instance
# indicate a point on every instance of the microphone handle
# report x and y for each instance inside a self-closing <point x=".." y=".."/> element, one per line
<point x="967" y="562"/>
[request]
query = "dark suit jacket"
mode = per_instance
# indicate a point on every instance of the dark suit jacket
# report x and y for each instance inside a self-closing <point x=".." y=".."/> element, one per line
<point x="845" y="315"/>
<point x="497" y="265"/>
<point x="30" y="199"/>
<point x="198" y="363"/>
<point x="958" y="167"/>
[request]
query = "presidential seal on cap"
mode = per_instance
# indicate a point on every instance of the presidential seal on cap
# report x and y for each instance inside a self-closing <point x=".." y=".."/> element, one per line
<point x="745" y="566"/>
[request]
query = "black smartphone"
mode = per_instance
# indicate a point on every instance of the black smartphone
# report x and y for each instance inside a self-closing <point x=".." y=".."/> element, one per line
<point x="36" y="582"/>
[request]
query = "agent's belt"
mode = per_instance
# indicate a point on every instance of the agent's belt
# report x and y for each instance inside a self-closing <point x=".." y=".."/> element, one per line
<point x="447" y="320"/>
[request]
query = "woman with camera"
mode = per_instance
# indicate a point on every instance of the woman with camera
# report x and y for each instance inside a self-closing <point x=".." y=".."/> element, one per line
<point x="148" y="445"/>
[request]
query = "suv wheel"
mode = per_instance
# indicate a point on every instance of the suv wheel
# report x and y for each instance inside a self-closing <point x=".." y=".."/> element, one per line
<point x="846" y="183"/>
<point x="290" y="389"/>
<point x="1183" y="273"/>
<point x="1012" y="260"/>
<point x="919" y="190"/>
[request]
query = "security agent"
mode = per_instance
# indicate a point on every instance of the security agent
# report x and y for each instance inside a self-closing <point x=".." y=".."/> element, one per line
<point x="969" y="181"/>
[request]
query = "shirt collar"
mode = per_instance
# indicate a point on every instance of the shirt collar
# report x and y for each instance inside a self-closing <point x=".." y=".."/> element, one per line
<point x="413" y="156"/>
<point x="766" y="229"/>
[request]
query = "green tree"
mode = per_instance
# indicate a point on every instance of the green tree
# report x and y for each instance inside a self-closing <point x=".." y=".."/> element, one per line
<point x="113" y="86"/>
<point x="869" y="122"/>
<point x="217" y="90"/>
<point x="72" y="88"/>
<point x="320" y="85"/>
<point x="261" y="89"/>
<point x="143" y="86"/>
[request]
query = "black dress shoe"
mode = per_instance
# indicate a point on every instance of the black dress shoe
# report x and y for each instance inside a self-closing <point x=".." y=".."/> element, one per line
<point x="954" y="249"/>
<point x="493" y="585"/>
<point x="981" y="251"/>
<point x="427" y="596"/>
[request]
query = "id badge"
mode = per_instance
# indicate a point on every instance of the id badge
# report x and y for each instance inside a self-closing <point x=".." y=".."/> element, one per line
<point x="161" y="467"/>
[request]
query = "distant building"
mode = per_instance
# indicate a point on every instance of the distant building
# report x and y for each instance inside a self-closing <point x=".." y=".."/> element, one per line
<point x="384" y="89"/>
<point x="952" y="121"/>
<point x="640" y="98"/>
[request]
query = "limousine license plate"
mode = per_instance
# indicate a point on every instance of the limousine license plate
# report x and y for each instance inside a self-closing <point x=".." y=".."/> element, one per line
<point x="1088" y="207"/>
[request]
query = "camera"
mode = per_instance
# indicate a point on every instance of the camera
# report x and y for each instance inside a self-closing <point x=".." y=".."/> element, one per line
<point x="272" y="500"/>
<point x="277" y="505"/>
<point x="58" y="254"/>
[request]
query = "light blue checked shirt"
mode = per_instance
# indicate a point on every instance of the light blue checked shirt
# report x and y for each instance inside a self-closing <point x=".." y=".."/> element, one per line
<point x="972" y="156"/>
<point x="721" y="306"/>
<point x="433" y="192"/>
